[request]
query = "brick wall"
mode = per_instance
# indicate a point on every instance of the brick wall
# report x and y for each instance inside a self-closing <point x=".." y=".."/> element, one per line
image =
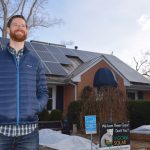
<point x="88" y="77"/>
<point x="87" y="80"/>
<point x="147" y="95"/>
<point x="69" y="95"/>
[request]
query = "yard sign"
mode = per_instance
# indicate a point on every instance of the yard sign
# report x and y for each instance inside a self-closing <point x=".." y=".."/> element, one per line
<point x="90" y="124"/>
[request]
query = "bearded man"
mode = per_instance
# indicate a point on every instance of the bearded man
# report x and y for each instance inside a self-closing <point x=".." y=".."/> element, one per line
<point x="23" y="90"/>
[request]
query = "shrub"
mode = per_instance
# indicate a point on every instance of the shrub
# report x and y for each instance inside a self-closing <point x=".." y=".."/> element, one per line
<point x="44" y="115"/>
<point x="74" y="110"/>
<point x="55" y="115"/>
<point x="138" y="113"/>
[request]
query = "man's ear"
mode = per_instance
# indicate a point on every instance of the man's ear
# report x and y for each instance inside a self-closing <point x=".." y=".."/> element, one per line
<point x="27" y="30"/>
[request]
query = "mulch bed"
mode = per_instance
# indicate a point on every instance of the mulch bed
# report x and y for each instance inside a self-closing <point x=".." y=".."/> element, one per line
<point x="140" y="141"/>
<point x="140" y="137"/>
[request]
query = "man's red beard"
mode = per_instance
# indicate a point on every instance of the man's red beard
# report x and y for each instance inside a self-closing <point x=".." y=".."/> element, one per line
<point x="18" y="37"/>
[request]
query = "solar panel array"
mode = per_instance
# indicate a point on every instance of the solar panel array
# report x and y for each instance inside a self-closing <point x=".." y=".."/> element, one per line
<point x="69" y="52"/>
<point x="58" y="54"/>
<point x="85" y="55"/>
<point x="54" y="58"/>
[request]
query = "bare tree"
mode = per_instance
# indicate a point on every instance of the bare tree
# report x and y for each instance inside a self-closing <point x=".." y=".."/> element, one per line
<point x="143" y="65"/>
<point x="69" y="43"/>
<point x="112" y="105"/>
<point x="33" y="10"/>
<point x="109" y="104"/>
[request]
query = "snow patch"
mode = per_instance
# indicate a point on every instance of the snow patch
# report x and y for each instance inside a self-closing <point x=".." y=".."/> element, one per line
<point x="59" y="141"/>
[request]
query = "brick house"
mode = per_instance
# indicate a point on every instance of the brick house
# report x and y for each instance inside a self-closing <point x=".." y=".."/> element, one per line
<point x="68" y="71"/>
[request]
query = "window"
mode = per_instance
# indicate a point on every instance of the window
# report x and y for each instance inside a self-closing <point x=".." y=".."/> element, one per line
<point x="131" y="95"/>
<point x="50" y="99"/>
<point x="140" y="95"/>
<point x="51" y="104"/>
<point x="135" y="95"/>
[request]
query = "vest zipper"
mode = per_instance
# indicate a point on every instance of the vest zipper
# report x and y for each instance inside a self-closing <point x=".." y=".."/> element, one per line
<point x="17" y="91"/>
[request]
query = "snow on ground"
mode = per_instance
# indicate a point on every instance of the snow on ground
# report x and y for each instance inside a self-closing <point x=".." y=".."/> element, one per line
<point x="59" y="141"/>
<point x="145" y="129"/>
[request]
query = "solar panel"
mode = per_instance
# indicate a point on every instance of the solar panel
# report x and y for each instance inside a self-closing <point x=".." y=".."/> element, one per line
<point x="68" y="52"/>
<point x="46" y="70"/>
<point x="28" y="45"/>
<point x="37" y="46"/>
<point x="58" y="54"/>
<point x="62" y="59"/>
<point x="45" y="56"/>
<point x="55" y="68"/>
<point x="51" y="57"/>
<point x="86" y="56"/>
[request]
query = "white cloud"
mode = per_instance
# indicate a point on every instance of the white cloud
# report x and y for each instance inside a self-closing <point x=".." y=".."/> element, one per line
<point x="144" y="22"/>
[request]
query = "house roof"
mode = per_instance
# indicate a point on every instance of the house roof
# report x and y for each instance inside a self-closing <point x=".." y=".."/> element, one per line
<point x="57" y="60"/>
<point x="126" y="71"/>
<point x="123" y="69"/>
<point x="139" y="87"/>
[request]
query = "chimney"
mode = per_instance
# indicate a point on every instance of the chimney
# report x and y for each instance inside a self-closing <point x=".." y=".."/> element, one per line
<point x="76" y="47"/>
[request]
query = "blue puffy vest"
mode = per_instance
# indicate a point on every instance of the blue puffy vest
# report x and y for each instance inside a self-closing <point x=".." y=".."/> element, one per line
<point x="23" y="88"/>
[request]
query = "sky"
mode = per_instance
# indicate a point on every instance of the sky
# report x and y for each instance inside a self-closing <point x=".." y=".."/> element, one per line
<point x="121" y="27"/>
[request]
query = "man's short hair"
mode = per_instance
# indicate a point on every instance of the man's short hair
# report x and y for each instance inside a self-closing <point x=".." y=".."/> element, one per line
<point x="13" y="17"/>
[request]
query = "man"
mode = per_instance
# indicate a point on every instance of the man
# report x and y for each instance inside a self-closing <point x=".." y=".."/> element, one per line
<point x="23" y="91"/>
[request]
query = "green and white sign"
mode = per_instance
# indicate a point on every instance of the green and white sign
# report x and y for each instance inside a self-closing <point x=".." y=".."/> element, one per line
<point x="114" y="136"/>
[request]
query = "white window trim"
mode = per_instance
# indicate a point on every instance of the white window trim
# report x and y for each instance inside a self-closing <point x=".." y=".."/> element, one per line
<point x="53" y="96"/>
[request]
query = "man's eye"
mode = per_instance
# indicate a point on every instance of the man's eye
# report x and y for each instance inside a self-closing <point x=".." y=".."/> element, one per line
<point x="19" y="26"/>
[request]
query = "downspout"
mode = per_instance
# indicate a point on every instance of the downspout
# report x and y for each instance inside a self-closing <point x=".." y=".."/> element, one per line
<point x="75" y="90"/>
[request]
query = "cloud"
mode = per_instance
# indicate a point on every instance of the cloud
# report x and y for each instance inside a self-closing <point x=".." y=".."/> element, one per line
<point x="144" y="22"/>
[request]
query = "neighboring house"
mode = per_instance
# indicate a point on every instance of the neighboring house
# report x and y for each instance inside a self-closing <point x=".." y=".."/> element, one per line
<point x="68" y="71"/>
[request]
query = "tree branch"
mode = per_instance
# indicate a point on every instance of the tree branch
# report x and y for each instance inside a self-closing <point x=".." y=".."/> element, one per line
<point x="136" y="64"/>
<point x="42" y="23"/>
<point x="23" y="5"/>
<point x="17" y="9"/>
<point x="5" y="13"/>
<point x="146" y="74"/>
<point x="4" y="6"/>
<point x="1" y="29"/>
<point x="8" y="1"/>
<point x="139" y="65"/>
<point x="31" y="10"/>
<point x="142" y="63"/>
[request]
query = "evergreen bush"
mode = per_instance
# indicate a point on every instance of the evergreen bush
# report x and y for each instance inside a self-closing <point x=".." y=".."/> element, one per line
<point x="44" y="115"/>
<point x="138" y="113"/>
<point x="73" y="115"/>
<point x="56" y="115"/>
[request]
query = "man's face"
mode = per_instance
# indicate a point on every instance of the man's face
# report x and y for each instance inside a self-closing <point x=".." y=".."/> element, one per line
<point x="18" y="30"/>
